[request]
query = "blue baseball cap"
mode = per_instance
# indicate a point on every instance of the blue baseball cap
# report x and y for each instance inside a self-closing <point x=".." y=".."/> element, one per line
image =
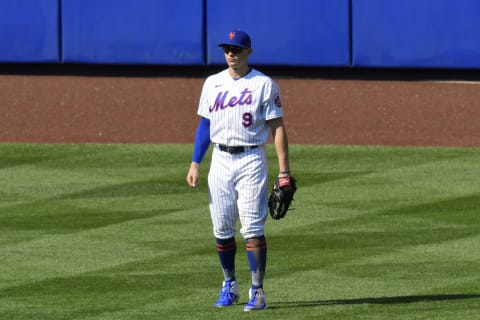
<point x="237" y="38"/>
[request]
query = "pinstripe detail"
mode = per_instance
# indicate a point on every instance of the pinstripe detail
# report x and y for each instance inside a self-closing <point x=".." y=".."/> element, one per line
<point x="238" y="190"/>
<point x="238" y="111"/>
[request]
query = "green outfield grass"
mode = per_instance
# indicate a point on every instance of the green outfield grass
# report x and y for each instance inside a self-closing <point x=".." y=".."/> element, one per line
<point x="113" y="232"/>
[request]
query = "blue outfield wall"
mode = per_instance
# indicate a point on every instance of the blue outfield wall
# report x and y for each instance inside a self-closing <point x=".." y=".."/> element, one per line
<point x="133" y="32"/>
<point x="416" y="33"/>
<point x="284" y="32"/>
<point x="325" y="33"/>
<point x="29" y="31"/>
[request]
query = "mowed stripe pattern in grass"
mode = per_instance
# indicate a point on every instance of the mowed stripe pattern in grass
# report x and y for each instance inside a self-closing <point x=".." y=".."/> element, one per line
<point x="113" y="232"/>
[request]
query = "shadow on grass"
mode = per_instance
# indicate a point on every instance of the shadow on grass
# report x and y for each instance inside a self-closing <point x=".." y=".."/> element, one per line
<point x="380" y="300"/>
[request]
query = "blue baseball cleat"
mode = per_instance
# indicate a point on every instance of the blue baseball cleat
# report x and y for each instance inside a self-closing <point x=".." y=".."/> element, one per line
<point x="257" y="300"/>
<point x="228" y="294"/>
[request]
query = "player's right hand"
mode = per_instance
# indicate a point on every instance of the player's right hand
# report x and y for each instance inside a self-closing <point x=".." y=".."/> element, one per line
<point x="193" y="175"/>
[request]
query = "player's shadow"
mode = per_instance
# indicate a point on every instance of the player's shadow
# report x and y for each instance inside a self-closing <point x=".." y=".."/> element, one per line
<point x="379" y="300"/>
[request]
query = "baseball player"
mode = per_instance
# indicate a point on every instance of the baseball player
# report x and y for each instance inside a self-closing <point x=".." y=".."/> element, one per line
<point x="239" y="107"/>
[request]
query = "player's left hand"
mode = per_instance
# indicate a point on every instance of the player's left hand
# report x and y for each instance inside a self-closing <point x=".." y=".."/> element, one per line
<point x="284" y="189"/>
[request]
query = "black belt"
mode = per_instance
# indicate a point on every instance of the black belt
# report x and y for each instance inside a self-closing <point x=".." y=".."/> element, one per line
<point x="234" y="150"/>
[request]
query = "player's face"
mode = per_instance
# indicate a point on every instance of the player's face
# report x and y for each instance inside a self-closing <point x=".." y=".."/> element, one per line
<point x="236" y="57"/>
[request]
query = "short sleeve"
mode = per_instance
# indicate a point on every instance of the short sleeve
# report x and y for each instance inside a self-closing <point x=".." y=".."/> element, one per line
<point x="273" y="102"/>
<point x="204" y="100"/>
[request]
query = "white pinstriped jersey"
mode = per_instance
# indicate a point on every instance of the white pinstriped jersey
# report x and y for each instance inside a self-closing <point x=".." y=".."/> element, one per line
<point x="238" y="108"/>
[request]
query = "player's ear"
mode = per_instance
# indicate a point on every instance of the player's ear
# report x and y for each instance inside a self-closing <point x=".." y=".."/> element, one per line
<point x="250" y="50"/>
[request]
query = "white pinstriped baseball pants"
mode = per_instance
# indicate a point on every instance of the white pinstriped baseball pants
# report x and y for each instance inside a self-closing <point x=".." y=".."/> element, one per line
<point x="238" y="189"/>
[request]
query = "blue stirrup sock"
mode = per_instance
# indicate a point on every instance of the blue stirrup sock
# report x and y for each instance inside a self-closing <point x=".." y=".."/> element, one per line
<point x="257" y="257"/>
<point x="226" y="249"/>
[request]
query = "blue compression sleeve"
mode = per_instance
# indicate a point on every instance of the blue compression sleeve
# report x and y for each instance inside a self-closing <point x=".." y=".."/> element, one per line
<point x="202" y="140"/>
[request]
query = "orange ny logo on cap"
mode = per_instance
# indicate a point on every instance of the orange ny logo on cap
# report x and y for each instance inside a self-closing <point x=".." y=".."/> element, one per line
<point x="231" y="35"/>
